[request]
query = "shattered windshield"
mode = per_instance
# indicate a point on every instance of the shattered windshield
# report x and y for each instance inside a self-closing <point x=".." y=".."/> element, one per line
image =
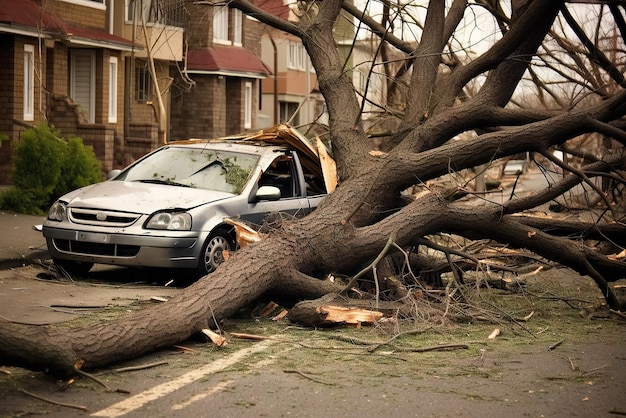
<point x="223" y="171"/>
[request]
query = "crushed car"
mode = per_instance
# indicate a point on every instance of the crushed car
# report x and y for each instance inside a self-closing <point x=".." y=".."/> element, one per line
<point x="170" y="208"/>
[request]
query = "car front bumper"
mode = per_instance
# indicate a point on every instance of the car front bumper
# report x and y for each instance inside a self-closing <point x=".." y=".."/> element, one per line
<point x="123" y="249"/>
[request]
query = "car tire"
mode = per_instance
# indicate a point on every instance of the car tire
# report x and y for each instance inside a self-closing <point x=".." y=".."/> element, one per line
<point x="213" y="253"/>
<point x="73" y="267"/>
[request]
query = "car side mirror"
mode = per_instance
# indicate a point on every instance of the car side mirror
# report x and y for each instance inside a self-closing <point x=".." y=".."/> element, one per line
<point x="267" y="193"/>
<point x="113" y="173"/>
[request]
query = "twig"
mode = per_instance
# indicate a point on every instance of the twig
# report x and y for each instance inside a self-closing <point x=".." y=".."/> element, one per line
<point x="618" y="313"/>
<point x="555" y="345"/>
<point x="352" y="353"/>
<point x="140" y="367"/>
<point x="53" y="402"/>
<point x="372" y="265"/>
<point x="435" y="348"/>
<point x="100" y="382"/>
<point x="306" y="376"/>
<point x="591" y="371"/>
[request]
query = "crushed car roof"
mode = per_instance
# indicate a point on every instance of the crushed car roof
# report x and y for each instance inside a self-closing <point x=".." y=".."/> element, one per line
<point x="315" y="157"/>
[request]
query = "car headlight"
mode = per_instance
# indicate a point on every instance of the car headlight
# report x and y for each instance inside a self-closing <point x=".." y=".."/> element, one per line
<point x="175" y="221"/>
<point x="58" y="211"/>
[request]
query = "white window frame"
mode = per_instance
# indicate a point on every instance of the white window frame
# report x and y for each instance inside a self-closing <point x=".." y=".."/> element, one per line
<point x="247" y="110"/>
<point x="29" y="82"/>
<point x="113" y="90"/>
<point x="292" y="55"/>
<point x="220" y="25"/>
<point x="297" y="58"/>
<point x="237" y="27"/>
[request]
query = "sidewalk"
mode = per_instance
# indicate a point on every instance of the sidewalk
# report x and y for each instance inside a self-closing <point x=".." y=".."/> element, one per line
<point x="20" y="242"/>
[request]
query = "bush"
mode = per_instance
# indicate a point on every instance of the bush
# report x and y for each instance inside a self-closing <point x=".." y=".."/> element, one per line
<point x="47" y="167"/>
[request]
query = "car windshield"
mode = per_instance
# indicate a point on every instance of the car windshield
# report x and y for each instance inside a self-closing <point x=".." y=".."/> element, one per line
<point x="210" y="169"/>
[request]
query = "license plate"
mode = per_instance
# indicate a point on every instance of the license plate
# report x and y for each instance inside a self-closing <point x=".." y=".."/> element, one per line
<point x="92" y="237"/>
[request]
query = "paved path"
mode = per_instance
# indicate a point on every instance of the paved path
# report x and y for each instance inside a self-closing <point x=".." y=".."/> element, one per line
<point x="19" y="241"/>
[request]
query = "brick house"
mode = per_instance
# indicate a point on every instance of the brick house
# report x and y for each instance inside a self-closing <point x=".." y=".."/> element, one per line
<point x="217" y="93"/>
<point x="87" y="66"/>
<point x="291" y="93"/>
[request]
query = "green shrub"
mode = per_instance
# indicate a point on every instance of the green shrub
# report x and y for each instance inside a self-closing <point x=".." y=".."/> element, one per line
<point x="47" y="167"/>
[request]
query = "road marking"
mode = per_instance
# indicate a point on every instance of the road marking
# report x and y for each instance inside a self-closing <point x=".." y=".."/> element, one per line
<point x="217" y="388"/>
<point x="139" y="400"/>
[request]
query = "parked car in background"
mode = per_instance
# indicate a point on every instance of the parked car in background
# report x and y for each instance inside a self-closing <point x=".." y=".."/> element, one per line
<point x="515" y="167"/>
<point x="168" y="209"/>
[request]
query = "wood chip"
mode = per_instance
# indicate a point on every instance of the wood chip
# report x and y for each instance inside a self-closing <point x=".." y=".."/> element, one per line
<point x="494" y="334"/>
<point x="217" y="339"/>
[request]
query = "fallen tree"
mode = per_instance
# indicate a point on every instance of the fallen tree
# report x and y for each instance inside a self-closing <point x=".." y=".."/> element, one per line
<point x="367" y="213"/>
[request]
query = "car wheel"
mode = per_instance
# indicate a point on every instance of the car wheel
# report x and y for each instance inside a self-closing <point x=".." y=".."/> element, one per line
<point x="73" y="267"/>
<point x="213" y="253"/>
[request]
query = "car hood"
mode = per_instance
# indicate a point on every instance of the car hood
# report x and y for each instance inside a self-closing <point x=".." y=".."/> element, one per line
<point x="140" y="197"/>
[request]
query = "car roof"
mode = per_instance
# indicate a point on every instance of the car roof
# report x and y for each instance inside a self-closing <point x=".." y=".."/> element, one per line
<point x="280" y="137"/>
<point x="226" y="145"/>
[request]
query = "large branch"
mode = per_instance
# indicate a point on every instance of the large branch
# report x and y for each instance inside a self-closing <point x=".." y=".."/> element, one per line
<point x="263" y="16"/>
<point x="510" y="54"/>
<point x="426" y="65"/>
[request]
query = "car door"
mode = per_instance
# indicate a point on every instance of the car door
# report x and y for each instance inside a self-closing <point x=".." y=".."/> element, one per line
<point x="282" y="173"/>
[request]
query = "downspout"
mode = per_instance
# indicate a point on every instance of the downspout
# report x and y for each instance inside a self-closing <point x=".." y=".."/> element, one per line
<point x="276" y="108"/>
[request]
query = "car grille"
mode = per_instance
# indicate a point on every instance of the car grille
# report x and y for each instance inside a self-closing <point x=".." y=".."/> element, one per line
<point x="92" y="248"/>
<point x="102" y="217"/>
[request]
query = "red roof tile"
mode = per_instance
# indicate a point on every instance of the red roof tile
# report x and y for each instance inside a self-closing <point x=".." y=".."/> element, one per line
<point x="226" y="59"/>
<point x="275" y="7"/>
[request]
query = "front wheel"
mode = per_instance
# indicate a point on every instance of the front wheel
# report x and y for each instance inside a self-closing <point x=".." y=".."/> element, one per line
<point x="213" y="253"/>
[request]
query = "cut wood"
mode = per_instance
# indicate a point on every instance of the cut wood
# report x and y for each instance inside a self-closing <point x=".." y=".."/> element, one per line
<point x="217" y="339"/>
<point x="342" y="315"/>
<point x="245" y="234"/>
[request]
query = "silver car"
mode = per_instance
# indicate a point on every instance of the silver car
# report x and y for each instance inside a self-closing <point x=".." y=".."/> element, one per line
<point x="168" y="209"/>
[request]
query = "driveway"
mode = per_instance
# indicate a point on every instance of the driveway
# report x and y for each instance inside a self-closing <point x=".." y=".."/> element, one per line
<point x="32" y="293"/>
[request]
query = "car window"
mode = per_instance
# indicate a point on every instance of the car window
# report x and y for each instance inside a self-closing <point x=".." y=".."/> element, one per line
<point x="223" y="171"/>
<point x="280" y="174"/>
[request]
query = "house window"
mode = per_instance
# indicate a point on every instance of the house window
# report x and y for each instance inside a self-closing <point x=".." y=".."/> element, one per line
<point x="144" y="85"/>
<point x="113" y="90"/>
<point x="297" y="56"/>
<point x="293" y="54"/>
<point x="220" y="24"/>
<point x="150" y="11"/>
<point x="237" y="27"/>
<point x="287" y="111"/>
<point x="83" y="81"/>
<point x="29" y="82"/>
<point x="247" y="111"/>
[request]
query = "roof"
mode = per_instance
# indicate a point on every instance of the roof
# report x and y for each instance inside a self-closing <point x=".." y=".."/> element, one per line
<point x="26" y="17"/>
<point x="315" y="157"/>
<point x="277" y="8"/>
<point x="226" y="60"/>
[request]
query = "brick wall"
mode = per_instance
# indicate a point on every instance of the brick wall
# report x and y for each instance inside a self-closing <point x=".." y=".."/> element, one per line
<point x="78" y="14"/>
<point x="200" y="35"/>
<point x="199" y="113"/>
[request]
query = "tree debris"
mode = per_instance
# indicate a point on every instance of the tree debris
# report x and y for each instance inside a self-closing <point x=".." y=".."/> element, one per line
<point x="494" y="334"/>
<point x="53" y="402"/>
<point x="216" y="338"/>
